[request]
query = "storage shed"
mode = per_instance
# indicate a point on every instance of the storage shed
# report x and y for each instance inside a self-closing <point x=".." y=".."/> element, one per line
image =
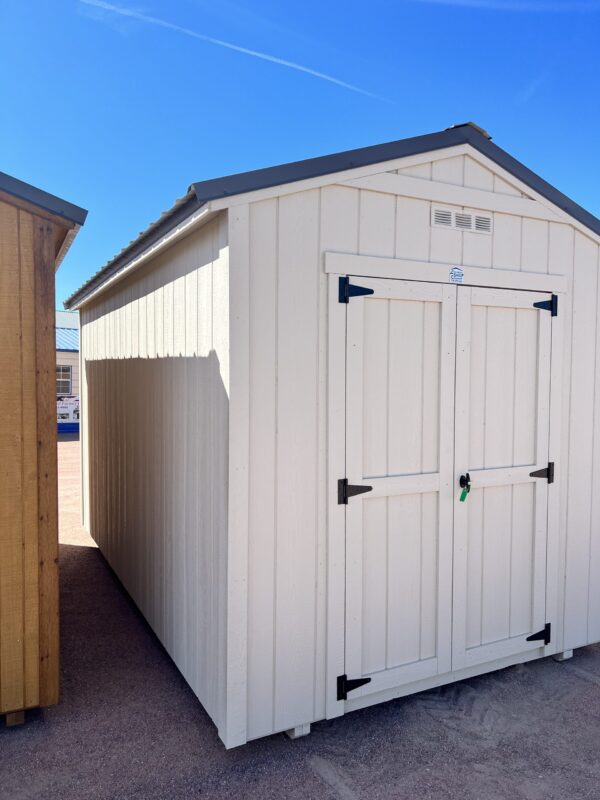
<point x="36" y="229"/>
<point x="341" y="427"/>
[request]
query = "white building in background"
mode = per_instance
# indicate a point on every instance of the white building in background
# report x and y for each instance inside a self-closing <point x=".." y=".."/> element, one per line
<point x="67" y="371"/>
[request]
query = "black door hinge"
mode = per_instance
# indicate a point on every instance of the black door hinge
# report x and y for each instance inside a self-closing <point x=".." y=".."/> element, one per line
<point x="549" y="305"/>
<point x="547" y="472"/>
<point x="348" y="290"/>
<point x="345" y="685"/>
<point x="346" y="490"/>
<point x="541" y="636"/>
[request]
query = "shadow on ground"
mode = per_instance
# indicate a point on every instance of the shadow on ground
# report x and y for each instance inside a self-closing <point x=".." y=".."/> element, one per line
<point x="128" y="726"/>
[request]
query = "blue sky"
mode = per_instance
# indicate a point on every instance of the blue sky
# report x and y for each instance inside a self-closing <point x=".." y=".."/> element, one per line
<point x="120" y="110"/>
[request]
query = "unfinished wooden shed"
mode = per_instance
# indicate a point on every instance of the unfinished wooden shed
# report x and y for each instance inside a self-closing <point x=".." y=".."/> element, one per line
<point x="36" y="230"/>
<point x="341" y="427"/>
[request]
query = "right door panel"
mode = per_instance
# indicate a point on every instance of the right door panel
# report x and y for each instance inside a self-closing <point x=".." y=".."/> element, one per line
<point x="501" y="436"/>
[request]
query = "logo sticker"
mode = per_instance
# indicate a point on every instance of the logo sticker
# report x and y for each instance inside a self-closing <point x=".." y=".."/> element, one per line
<point x="457" y="275"/>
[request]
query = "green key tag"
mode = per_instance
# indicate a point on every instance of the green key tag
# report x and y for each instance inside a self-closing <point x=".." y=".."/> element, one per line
<point x="464" y="494"/>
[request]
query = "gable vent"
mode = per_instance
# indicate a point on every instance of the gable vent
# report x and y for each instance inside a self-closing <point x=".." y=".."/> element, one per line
<point x="483" y="224"/>
<point x="461" y="220"/>
<point x="442" y="217"/>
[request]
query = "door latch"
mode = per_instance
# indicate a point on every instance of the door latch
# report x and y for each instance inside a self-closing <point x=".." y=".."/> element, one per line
<point x="465" y="485"/>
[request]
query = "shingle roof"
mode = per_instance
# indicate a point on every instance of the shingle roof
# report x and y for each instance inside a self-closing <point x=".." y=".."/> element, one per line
<point x="67" y="339"/>
<point x="201" y="193"/>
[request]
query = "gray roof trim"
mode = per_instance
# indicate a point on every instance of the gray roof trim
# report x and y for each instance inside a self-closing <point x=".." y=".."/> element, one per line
<point x="243" y="182"/>
<point x="49" y="202"/>
<point x="324" y="165"/>
<point x="164" y="224"/>
<point x="534" y="181"/>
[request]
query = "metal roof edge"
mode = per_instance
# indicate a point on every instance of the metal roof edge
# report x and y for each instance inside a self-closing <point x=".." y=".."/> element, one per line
<point x="45" y="200"/>
<point x="152" y="234"/>
<point x="243" y="182"/>
<point x="533" y="180"/>
<point x="203" y="192"/>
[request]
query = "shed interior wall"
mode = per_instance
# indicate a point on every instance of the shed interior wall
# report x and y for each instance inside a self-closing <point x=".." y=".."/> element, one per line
<point x="155" y="407"/>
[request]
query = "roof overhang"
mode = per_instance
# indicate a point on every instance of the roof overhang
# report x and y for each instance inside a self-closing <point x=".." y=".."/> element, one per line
<point x="201" y="195"/>
<point x="66" y="217"/>
<point x="172" y="226"/>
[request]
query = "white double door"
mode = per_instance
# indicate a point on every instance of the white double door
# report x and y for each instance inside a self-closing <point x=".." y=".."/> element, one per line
<point x="441" y="381"/>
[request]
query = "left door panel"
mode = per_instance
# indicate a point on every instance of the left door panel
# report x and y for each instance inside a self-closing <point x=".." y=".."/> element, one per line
<point x="399" y="440"/>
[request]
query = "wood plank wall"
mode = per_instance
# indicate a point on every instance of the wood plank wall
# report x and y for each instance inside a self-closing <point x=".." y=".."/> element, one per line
<point x="288" y="360"/>
<point x="162" y="312"/>
<point x="155" y="414"/>
<point x="28" y="479"/>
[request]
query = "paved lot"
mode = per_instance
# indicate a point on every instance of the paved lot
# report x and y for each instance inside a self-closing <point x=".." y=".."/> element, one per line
<point x="128" y="726"/>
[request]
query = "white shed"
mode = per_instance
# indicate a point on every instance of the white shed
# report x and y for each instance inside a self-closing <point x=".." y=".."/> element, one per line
<point x="286" y="380"/>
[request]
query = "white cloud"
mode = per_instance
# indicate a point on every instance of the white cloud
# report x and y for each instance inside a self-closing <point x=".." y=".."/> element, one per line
<point x="161" y="23"/>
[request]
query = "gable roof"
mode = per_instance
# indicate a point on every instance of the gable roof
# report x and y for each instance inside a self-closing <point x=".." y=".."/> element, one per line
<point x="68" y="217"/>
<point x="44" y="200"/>
<point x="67" y="339"/>
<point x="199" y="194"/>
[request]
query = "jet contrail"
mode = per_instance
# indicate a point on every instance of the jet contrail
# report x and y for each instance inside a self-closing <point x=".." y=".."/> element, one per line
<point x="126" y="12"/>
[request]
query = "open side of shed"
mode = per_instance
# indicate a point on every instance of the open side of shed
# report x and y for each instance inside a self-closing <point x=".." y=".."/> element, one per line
<point x="36" y="230"/>
<point x="340" y="427"/>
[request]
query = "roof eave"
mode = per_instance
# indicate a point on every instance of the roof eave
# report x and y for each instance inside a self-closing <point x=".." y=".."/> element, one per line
<point x="66" y="244"/>
<point x="255" y="180"/>
<point x="142" y="248"/>
<point x="202" y="193"/>
<point x="43" y="200"/>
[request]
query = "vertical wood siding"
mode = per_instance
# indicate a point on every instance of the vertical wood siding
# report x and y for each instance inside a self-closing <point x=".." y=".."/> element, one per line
<point x="155" y="395"/>
<point x="28" y="491"/>
<point x="582" y="607"/>
<point x="154" y="392"/>
<point x="288" y="367"/>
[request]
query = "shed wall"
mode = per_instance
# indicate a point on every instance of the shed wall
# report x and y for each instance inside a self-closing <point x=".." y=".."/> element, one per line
<point x="155" y="408"/>
<point x="160" y="340"/>
<point x="28" y="472"/>
<point x="287" y="572"/>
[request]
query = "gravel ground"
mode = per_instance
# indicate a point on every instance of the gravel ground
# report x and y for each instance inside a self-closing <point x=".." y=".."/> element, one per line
<point x="129" y="727"/>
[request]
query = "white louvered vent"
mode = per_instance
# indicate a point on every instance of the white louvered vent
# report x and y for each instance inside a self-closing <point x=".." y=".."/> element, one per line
<point x="461" y="220"/>
<point x="442" y="217"/>
<point x="483" y="224"/>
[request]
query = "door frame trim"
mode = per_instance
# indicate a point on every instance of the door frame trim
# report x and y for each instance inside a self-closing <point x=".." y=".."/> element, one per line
<point x="336" y="514"/>
<point x="430" y="272"/>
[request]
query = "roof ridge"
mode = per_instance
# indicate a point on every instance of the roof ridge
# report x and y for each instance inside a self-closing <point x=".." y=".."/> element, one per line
<point x="202" y="192"/>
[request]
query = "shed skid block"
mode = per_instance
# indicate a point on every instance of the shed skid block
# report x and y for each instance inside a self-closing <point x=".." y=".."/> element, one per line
<point x="564" y="656"/>
<point x="298" y="731"/>
<point x="15" y="718"/>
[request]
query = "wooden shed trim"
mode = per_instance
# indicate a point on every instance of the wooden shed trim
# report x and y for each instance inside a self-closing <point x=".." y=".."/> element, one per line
<point x="29" y="643"/>
<point x="47" y="466"/>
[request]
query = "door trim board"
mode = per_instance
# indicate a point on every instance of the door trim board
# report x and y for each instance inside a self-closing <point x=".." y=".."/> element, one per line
<point x="401" y="268"/>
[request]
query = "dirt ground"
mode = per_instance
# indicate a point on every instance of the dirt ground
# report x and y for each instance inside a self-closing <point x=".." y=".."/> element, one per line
<point x="129" y="727"/>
